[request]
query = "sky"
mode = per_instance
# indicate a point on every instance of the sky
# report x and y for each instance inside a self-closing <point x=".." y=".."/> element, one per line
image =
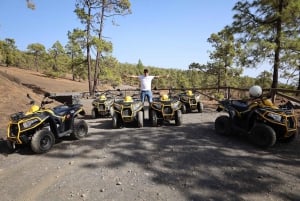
<point x="160" y="33"/>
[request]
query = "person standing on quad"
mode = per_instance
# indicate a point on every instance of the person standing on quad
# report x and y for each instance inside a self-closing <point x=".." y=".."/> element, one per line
<point x="146" y="81"/>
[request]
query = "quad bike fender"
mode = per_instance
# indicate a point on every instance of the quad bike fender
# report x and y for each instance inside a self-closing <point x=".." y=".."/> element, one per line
<point x="232" y="113"/>
<point x="157" y="106"/>
<point x="220" y="108"/>
<point x="82" y="112"/>
<point x="78" y="111"/>
<point x="242" y="121"/>
<point x="176" y="105"/>
<point x="61" y="128"/>
<point x="55" y="123"/>
<point x="251" y="119"/>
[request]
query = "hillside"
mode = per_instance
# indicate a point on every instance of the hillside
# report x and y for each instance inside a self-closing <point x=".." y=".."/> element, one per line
<point x="15" y="83"/>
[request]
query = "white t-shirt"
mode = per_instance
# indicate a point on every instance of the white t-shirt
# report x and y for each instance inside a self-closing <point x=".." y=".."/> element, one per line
<point x="146" y="82"/>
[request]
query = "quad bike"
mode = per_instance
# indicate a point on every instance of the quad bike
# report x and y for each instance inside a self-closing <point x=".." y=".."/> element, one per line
<point x="40" y="127"/>
<point x="164" y="108"/>
<point x="102" y="105"/>
<point x="190" y="101"/>
<point x="261" y="121"/>
<point x="128" y="110"/>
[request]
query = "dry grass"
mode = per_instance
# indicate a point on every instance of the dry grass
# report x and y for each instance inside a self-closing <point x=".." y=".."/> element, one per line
<point x="15" y="83"/>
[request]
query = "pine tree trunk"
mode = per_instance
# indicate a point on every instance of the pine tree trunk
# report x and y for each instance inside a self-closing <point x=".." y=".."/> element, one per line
<point x="277" y="53"/>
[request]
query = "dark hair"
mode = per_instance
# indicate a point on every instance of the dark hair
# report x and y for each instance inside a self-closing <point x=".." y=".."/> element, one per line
<point x="146" y="71"/>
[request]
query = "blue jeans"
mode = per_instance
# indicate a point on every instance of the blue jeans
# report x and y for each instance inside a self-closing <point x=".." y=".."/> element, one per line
<point x="147" y="94"/>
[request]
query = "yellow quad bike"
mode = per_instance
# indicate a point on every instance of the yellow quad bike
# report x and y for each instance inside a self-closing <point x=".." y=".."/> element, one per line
<point x="102" y="105"/>
<point x="128" y="110"/>
<point x="190" y="102"/>
<point x="261" y="121"/>
<point x="40" y="127"/>
<point x="164" y="108"/>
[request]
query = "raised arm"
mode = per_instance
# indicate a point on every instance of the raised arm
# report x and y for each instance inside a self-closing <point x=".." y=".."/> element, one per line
<point x="131" y="76"/>
<point x="161" y="76"/>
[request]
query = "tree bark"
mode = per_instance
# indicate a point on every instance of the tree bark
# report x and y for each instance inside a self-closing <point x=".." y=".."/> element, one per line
<point x="277" y="51"/>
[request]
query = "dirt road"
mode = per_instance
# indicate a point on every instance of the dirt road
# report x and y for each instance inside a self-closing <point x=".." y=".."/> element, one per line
<point x="167" y="163"/>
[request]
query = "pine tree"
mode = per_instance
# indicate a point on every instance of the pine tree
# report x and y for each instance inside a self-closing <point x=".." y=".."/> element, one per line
<point x="267" y="29"/>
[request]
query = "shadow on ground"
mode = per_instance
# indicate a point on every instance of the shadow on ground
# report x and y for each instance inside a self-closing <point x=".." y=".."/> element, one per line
<point x="189" y="158"/>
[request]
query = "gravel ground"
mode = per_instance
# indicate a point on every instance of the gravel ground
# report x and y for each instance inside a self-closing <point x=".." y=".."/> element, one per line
<point x="165" y="163"/>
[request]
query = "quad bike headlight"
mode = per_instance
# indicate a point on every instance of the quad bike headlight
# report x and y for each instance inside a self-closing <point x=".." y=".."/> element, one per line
<point x="135" y="107"/>
<point x="275" y="117"/>
<point x="157" y="106"/>
<point x="176" y="105"/>
<point x="29" y="123"/>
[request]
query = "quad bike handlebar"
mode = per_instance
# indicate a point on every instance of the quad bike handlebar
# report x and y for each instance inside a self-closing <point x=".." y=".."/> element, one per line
<point x="47" y="102"/>
<point x="288" y="105"/>
<point x="43" y="102"/>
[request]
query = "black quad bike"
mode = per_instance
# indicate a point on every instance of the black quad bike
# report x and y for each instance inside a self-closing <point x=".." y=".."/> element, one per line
<point x="40" y="127"/>
<point x="260" y="120"/>
<point x="102" y="105"/>
<point x="128" y="110"/>
<point x="165" y="108"/>
<point x="190" y="101"/>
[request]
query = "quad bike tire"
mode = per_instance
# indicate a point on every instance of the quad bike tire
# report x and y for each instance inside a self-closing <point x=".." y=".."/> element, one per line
<point x="263" y="135"/>
<point x="140" y="119"/>
<point x="11" y="146"/>
<point x="183" y="109"/>
<point x="80" y="129"/>
<point x="154" y="119"/>
<point x="111" y="111"/>
<point x="178" y="118"/>
<point x="42" y="141"/>
<point x="223" y="125"/>
<point x="116" y="121"/>
<point x="200" y="107"/>
<point x="188" y="109"/>
<point x="94" y="113"/>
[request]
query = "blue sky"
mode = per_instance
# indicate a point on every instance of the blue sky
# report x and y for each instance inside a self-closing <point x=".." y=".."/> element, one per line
<point x="162" y="33"/>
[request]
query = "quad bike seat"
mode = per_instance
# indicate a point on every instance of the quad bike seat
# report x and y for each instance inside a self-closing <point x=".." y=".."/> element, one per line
<point x="240" y="105"/>
<point x="63" y="109"/>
